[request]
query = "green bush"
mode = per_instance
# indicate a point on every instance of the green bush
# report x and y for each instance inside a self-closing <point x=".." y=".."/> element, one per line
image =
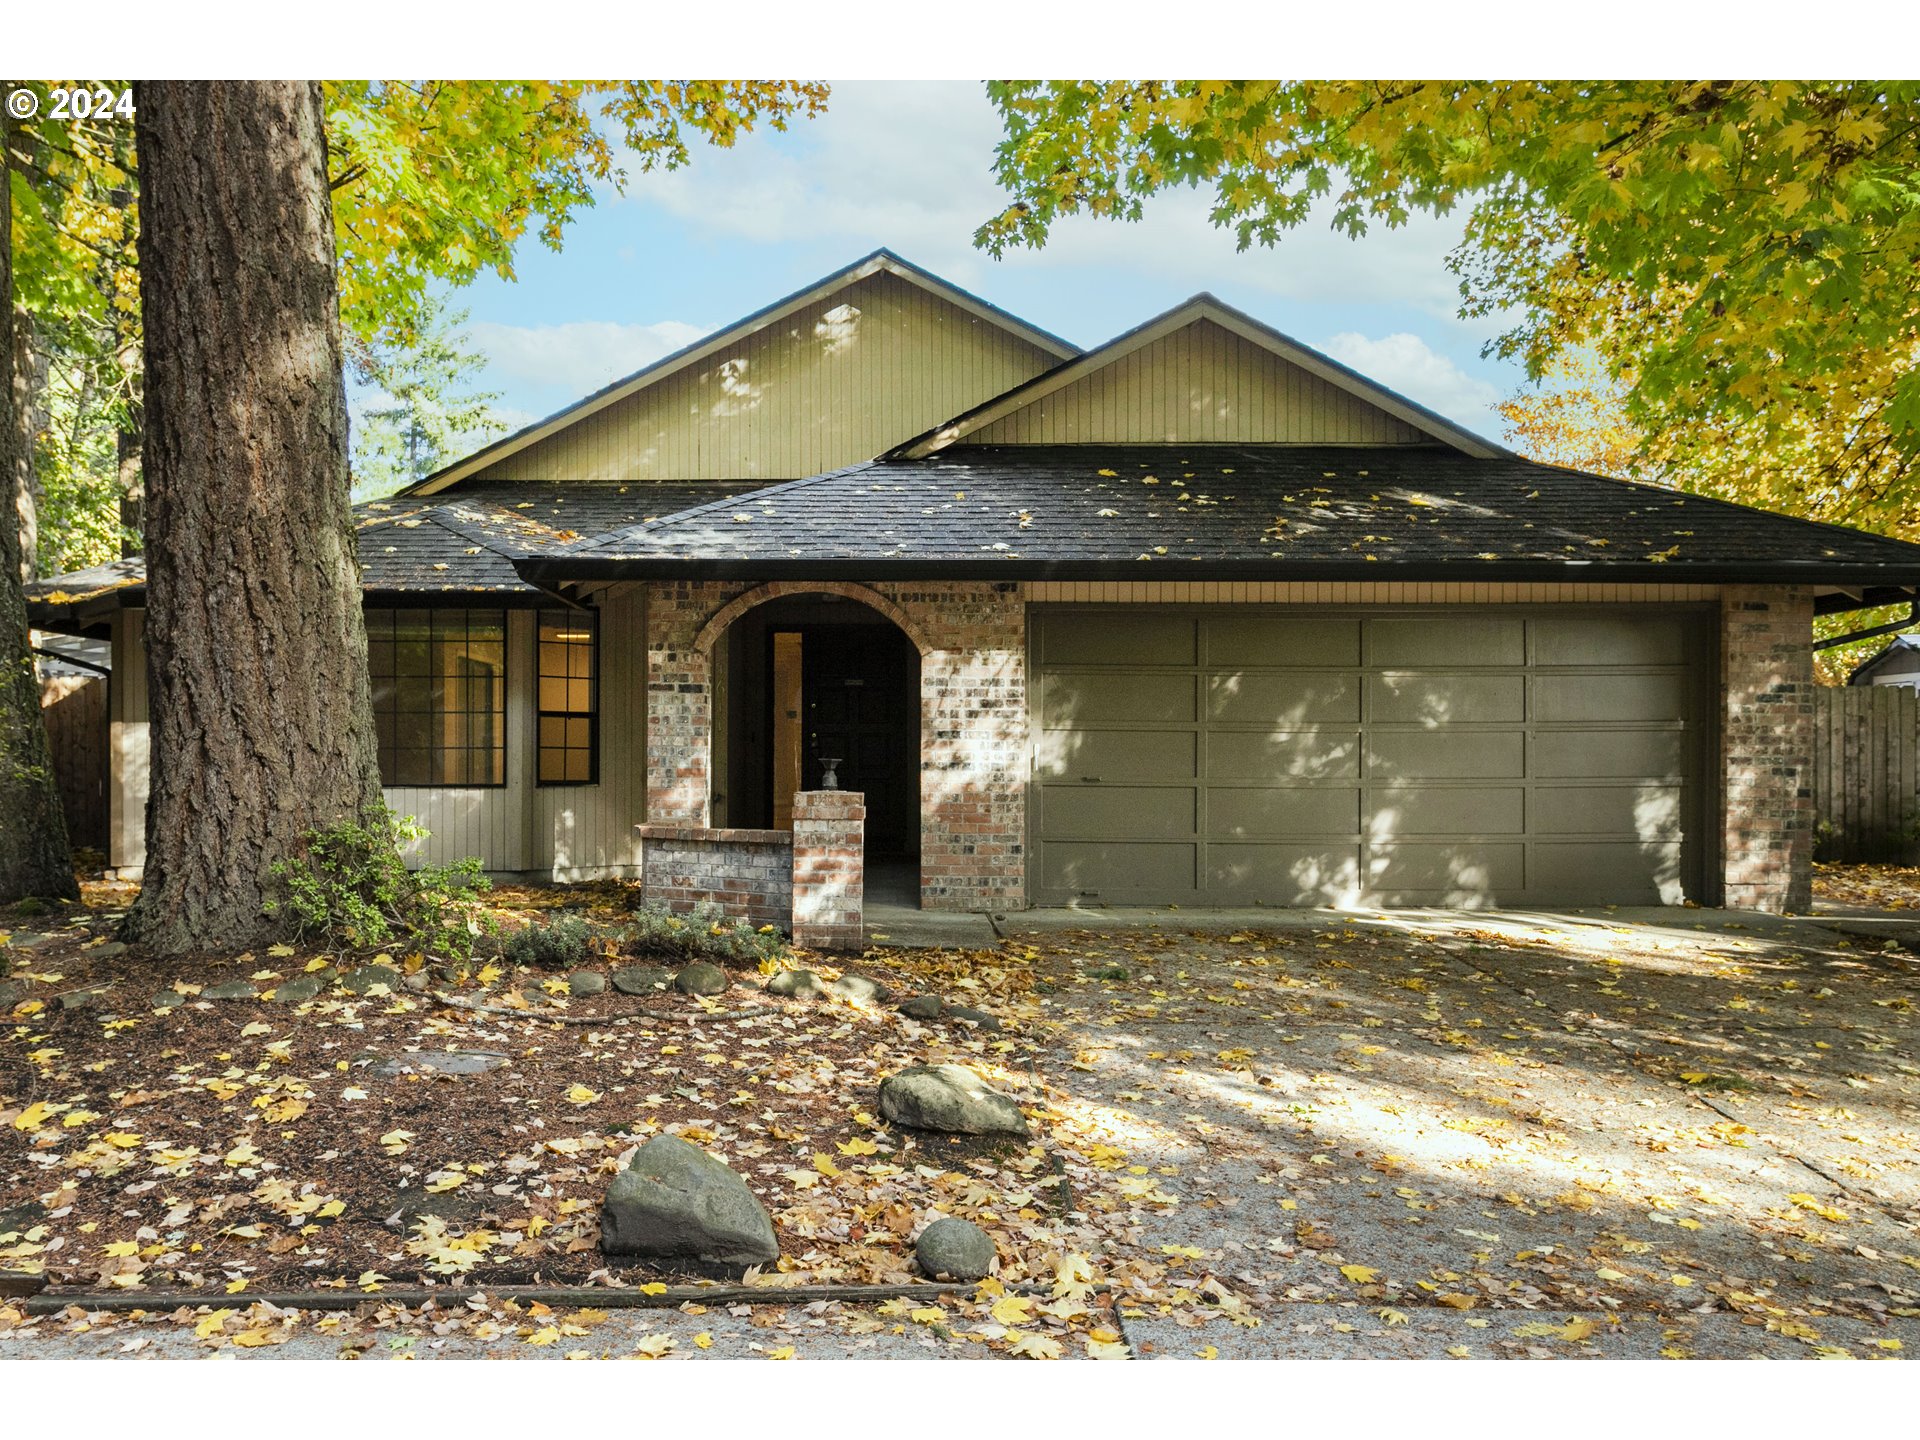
<point x="351" y="890"/>
<point x="703" y="933"/>
<point x="558" y="945"/>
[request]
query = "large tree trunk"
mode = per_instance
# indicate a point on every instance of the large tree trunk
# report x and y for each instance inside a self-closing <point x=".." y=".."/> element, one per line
<point x="262" y="724"/>
<point x="34" y="859"/>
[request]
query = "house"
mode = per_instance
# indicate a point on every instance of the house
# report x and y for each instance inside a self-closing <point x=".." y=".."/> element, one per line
<point x="1197" y="617"/>
<point x="1897" y="664"/>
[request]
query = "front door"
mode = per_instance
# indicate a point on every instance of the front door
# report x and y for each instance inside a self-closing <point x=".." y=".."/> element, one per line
<point x="860" y="702"/>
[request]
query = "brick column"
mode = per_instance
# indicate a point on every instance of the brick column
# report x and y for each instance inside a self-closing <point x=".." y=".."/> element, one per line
<point x="679" y="704"/>
<point x="1766" y="747"/>
<point x="829" y="869"/>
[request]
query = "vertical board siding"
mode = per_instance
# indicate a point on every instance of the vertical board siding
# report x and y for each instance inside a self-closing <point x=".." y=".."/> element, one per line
<point x="1866" y="774"/>
<point x="587" y="831"/>
<point x="834" y="384"/>
<point x="1202" y="383"/>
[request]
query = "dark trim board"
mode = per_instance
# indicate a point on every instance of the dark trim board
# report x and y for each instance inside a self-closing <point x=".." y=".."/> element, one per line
<point x="1584" y="796"/>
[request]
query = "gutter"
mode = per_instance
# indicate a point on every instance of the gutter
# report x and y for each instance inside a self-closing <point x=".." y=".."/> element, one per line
<point x="1907" y="622"/>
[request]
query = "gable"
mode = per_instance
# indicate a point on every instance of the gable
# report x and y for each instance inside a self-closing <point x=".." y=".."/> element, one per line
<point x="834" y="381"/>
<point x="1202" y="383"/>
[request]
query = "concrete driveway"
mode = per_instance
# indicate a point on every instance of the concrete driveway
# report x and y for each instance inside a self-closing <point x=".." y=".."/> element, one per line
<point x="1423" y="1134"/>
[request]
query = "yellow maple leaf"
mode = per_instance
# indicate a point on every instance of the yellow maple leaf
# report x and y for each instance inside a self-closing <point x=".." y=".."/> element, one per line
<point x="1012" y="1310"/>
<point x="1029" y="1346"/>
<point x="653" y="1347"/>
<point x="581" y="1095"/>
<point x="122" y="1140"/>
<point x="783" y="1352"/>
<point x="858" y="1146"/>
<point x="545" y="1335"/>
<point x="1360" y="1274"/>
<point x="703" y="1341"/>
<point x="1208" y="1352"/>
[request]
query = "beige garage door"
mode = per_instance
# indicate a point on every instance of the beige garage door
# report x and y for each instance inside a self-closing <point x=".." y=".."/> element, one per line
<point x="1444" y="757"/>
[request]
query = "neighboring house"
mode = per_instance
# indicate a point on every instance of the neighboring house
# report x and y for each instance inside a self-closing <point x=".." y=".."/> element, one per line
<point x="1898" y="664"/>
<point x="1197" y="617"/>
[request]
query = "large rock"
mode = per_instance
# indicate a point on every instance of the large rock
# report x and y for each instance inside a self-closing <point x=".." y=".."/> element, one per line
<point x="298" y="990"/>
<point x="860" y="990"/>
<point x="369" y="977"/>
<point x="230" y="990"/>
<point x="950" y="1098"/>
<point x="922" y="1007"/>
<point x="586" y="982"/>
<point x="796" y="985"/>
<point x="701" y="978"/>
<point x="641" y="979"/>
<point x="676" y="1202"/>
<point x="954" y="1250"/>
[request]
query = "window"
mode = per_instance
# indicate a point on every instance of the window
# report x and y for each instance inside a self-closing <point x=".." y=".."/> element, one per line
<point x="569" y="698"/>
<point x="439" y="695"/>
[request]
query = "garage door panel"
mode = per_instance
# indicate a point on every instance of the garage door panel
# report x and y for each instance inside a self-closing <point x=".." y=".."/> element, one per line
<point x="1469" y="758"/>
<point x="1266" y="641"/>
<point x="1284" y="874"/>
<point x="1288" y="754"/>
<point x="1456" y="640"/>
<point x="1645" y="812"/>
<point x="1449" y="810"/>
<point x="1432" y="698"/>
<point x="1145" y="639"/>
<point x="1455" y="873"/>
<point x="1608" y="754"/>
<point x="1609" y="640"/>
<point x="1618" y="873"/>
<point x="1134" y="810"/>
<point x="1235" y="812"/>
<point x="1115" y="754"/>
<point x="1284" y="702"/>
<point x="1608" y="697"/>
<point x="1078" y="698"/>
<point x="1117" y="868"/>
<point x="1447" y="755"/>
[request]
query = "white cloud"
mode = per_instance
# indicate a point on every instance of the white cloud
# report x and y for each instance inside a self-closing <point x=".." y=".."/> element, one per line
<point x="909" y="165"/>
<point x="578" y="357"/>
<point x="1408" y="364"/>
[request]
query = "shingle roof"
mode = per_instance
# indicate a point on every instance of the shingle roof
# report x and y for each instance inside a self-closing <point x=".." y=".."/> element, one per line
<point x="1244" y="512"/>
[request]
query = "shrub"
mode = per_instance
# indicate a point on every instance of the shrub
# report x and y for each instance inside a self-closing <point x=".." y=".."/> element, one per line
<point x="703" y="933"/>
<point x="557" y="945"/>
<point x="351" y="890"/>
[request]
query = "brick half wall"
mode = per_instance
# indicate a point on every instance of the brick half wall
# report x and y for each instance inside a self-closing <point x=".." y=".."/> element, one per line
<point x="745" y="872"/>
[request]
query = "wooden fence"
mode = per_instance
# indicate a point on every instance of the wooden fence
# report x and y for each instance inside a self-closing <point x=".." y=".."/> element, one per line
<point x="76" y="713"/>
<point x="1866" y="782"/>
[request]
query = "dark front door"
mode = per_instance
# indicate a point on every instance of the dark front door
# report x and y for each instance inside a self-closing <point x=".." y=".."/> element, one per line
<point x="860" y="699"/>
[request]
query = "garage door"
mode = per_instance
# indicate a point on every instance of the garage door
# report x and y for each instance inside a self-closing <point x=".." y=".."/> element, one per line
<point x="1454" y="757"/>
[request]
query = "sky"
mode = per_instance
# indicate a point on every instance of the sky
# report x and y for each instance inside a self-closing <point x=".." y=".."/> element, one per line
<point x="907" y="165"/>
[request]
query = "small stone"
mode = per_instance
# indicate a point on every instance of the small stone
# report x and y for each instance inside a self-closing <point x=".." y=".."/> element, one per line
<point x="24" y="1216"/>
<point x="107" y="951"/>
<point x="586" y="982"/>
<point x="922" y="1007"/>
<point x="675" y="1201"/>
<point x="167" y="999"/>
<point x="417" y="983"/>
<point x="11" y="994"/>
<point x="81" y="999"/>
<point x="860" y="990"/>
<point x="230" y="990"/>
<point x="21" y="940"/>
<point x="978" y="1017"/>
<point x="954" y="1250"/>
<point x="796" y="985"/>
<point x="440" y="1062"/>
<point x="367" y="976"/>
<point x="298" y="991"/>
<point x="701" y="978"/>
<point x="949" y="1098"/>
<point x="641" y="979"/>
<point x="450" y="974"/>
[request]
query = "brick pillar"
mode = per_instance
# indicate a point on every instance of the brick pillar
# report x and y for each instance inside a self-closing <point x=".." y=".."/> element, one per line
<point x="679" y="705"/>
<point x="1766" y="747"/>
<point x="829" y="869"/>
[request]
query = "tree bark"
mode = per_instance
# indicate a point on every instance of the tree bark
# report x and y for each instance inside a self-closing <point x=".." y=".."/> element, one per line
<point x="262" y="722"/>
<point x="34" y="858"/>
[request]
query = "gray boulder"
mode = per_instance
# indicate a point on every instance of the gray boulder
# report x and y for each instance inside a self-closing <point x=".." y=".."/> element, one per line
<point x="11" y="994"/>
<point x="167" y="999"/>
<point x="955" y="1250"/>
<point x="978" y="1017"/>
<point x="367" y="976"/>
<point x="923" y="1007"/>
<point x="676" y="1202"/>
<point x="586" y="982"/>
<point x="860" y="990"/>
<point x="230" y="990"/>
<point x="796" y="985"/>
<point x="701" y="978"/>
<point x="641" y="979"/>
<point x="949" y="1098"/>
<point x="299" y="990"/>
<point x="107" y="951"/>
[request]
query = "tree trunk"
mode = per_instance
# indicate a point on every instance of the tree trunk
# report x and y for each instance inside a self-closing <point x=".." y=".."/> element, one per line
<point x="262" y="722"/>
<point x="34" y="859"/>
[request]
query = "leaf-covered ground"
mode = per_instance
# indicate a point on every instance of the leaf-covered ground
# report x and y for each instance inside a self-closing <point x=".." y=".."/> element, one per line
<point x="1869" y="887"/>
<point x="1389" y="1135"/>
